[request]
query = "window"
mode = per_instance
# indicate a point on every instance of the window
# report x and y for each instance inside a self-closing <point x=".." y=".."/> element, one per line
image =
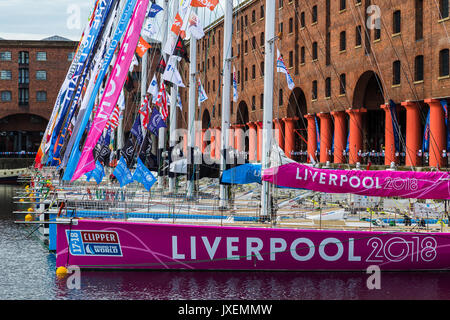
<point x="213" y="61"/>
<point x="261" y="100"/>
<point x="343" y="85"/>
<point x="342" y="5"/>
<point x="253" y="16"/>
<point x="342" y="41"/>
<point x="41" y="96"/>
<point x="419" y="20"/>
<point x="291" y="25"/>
<point x="214" y="85"/>
<point x="280" y="27"/>
<point x="280" y="3"/>
<point x="396" y="73"/>
<point x="253" y="103"/>
<point x="302" y="19"/>
<point x="41" y="56"/>
<point x="262" y="68"/>
<point x="23" y="96"/>
<point x="246" y="75"/>
<point x="291" y="59"/>
<point x="328" y="87"/>
<point x="302" y="55"/>
<point x="254" y="72"/>
<point x="5" y="75"/>
<point x="443" y="9"/>
<point x="261" y="39"/>
<point x="444" y="63"/>
<point x="358" y="38"/>
<point x="5" y="56"/>
<point x="396" y="22"/>
<point x="24" y="57"/>
<point x="418" y="68"/>
<point x="377" y="34"/>
<point x="280" y="97"/>
<point x="245" y="47"/>
<point x="261" y="12"/>
<point x="6" y="96"/>
<point x="24" y="76"/>
<point x="314" y="90"/>
<point x="358" y="2"/>
<point x="314" y="14"/>
<point x="246" y="21"/>
<point x="41" y="75"/>
<point x="314" y="51"/>
<point x="253" y="43"/>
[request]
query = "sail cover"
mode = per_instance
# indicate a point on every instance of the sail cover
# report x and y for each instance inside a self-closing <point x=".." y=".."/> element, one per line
<point x="405" y="184"/>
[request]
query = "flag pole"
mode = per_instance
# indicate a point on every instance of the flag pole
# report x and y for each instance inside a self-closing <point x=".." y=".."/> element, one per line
<point x="173" y="114"/>
<point x="268" y="103"/>
<point x="227" y="40"/>
<point x="191" y="114"/>
<point x="162" y="131"/>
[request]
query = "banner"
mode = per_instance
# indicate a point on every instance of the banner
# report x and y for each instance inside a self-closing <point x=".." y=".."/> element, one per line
<point x="156" y="122"/>
<point x="405" y="184"/>
<point x="113" y="88"/>
<point x="142" y="47"/>
<point x="83" y="116"/>
<point x="210" y="4"/>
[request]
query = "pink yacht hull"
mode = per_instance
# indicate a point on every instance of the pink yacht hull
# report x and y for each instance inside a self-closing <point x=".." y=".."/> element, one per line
<point x="102" y="244"/>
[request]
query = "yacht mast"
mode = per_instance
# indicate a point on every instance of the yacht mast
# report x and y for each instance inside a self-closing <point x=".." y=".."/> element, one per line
<point x="268" y="102"/>
<point x="173" y="111"/>
<point x="162" y="131"/>
<point x="191" y="114"/>
<point x="227" y="39"/>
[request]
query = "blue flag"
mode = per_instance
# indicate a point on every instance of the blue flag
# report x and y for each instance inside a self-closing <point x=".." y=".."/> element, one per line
<point x="444" y="106"/>
<point x="243" y="174"/>
<point x="122" y="173"/>
<point x="154" y="10"/>
<point x="143" y="175"/>
<point x="98" y="173"/>
<point x="426" y="134"/>
<point x="392" y="108"/>
<point x="156" y="122"/>
<point x="317" y="134"/>
<point x="136" y="130"/>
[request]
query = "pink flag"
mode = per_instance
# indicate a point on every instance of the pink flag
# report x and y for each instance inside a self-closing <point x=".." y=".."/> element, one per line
<point x="113" y="89"/>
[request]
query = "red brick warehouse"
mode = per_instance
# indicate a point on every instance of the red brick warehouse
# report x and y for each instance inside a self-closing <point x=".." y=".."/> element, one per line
<point x="31" y="74"/>
<point x="348" y="59"/>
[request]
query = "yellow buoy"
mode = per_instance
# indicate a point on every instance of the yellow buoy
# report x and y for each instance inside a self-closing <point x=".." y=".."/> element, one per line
<point x="61" y="271"/>
<point x="30" y="209"/>
<point x="28" y="217"/>
<point x="21" y="200"/>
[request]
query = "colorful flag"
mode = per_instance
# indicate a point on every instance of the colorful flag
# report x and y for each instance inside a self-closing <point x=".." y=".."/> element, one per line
<point x="153" y="89"/>
<point x="154" y="10"/>
<point x="150" y="28"/>
<point x="179" y="105"/>
<point x="180" y="50"/>
<point x="144" y="112"/>
<point x="281" y="67"/>
<point x="195" y="26"/>
<point x="161" y="101"/>
<point x="122" y="173"/>
<point x="445" y="107"/>
<point x="161" y="67"/>
<point x="113" y="88"/>
<point x="170" y="44"/>
<point x="235" y="89"/>
<point x="142" y="47"/>
<point x="133" y="64"/>
<point x="201" y="93"/>
<point x="156" y="122"/>
<point x="210" y="4"/>
<point x="143" y="175"/>
<point x="426" y="134"/>
<point x="136" y="130"/>
<point x="171" y="73"/>
<point x="177" y="24"/>
<point x="98" y="173"/>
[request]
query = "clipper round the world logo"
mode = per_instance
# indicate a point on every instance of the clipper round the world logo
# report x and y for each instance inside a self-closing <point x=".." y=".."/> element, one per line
<point x="93" y="243"/>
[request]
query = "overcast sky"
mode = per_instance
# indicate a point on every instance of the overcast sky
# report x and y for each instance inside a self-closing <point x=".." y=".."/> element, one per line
<point x="38" y="19"/>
